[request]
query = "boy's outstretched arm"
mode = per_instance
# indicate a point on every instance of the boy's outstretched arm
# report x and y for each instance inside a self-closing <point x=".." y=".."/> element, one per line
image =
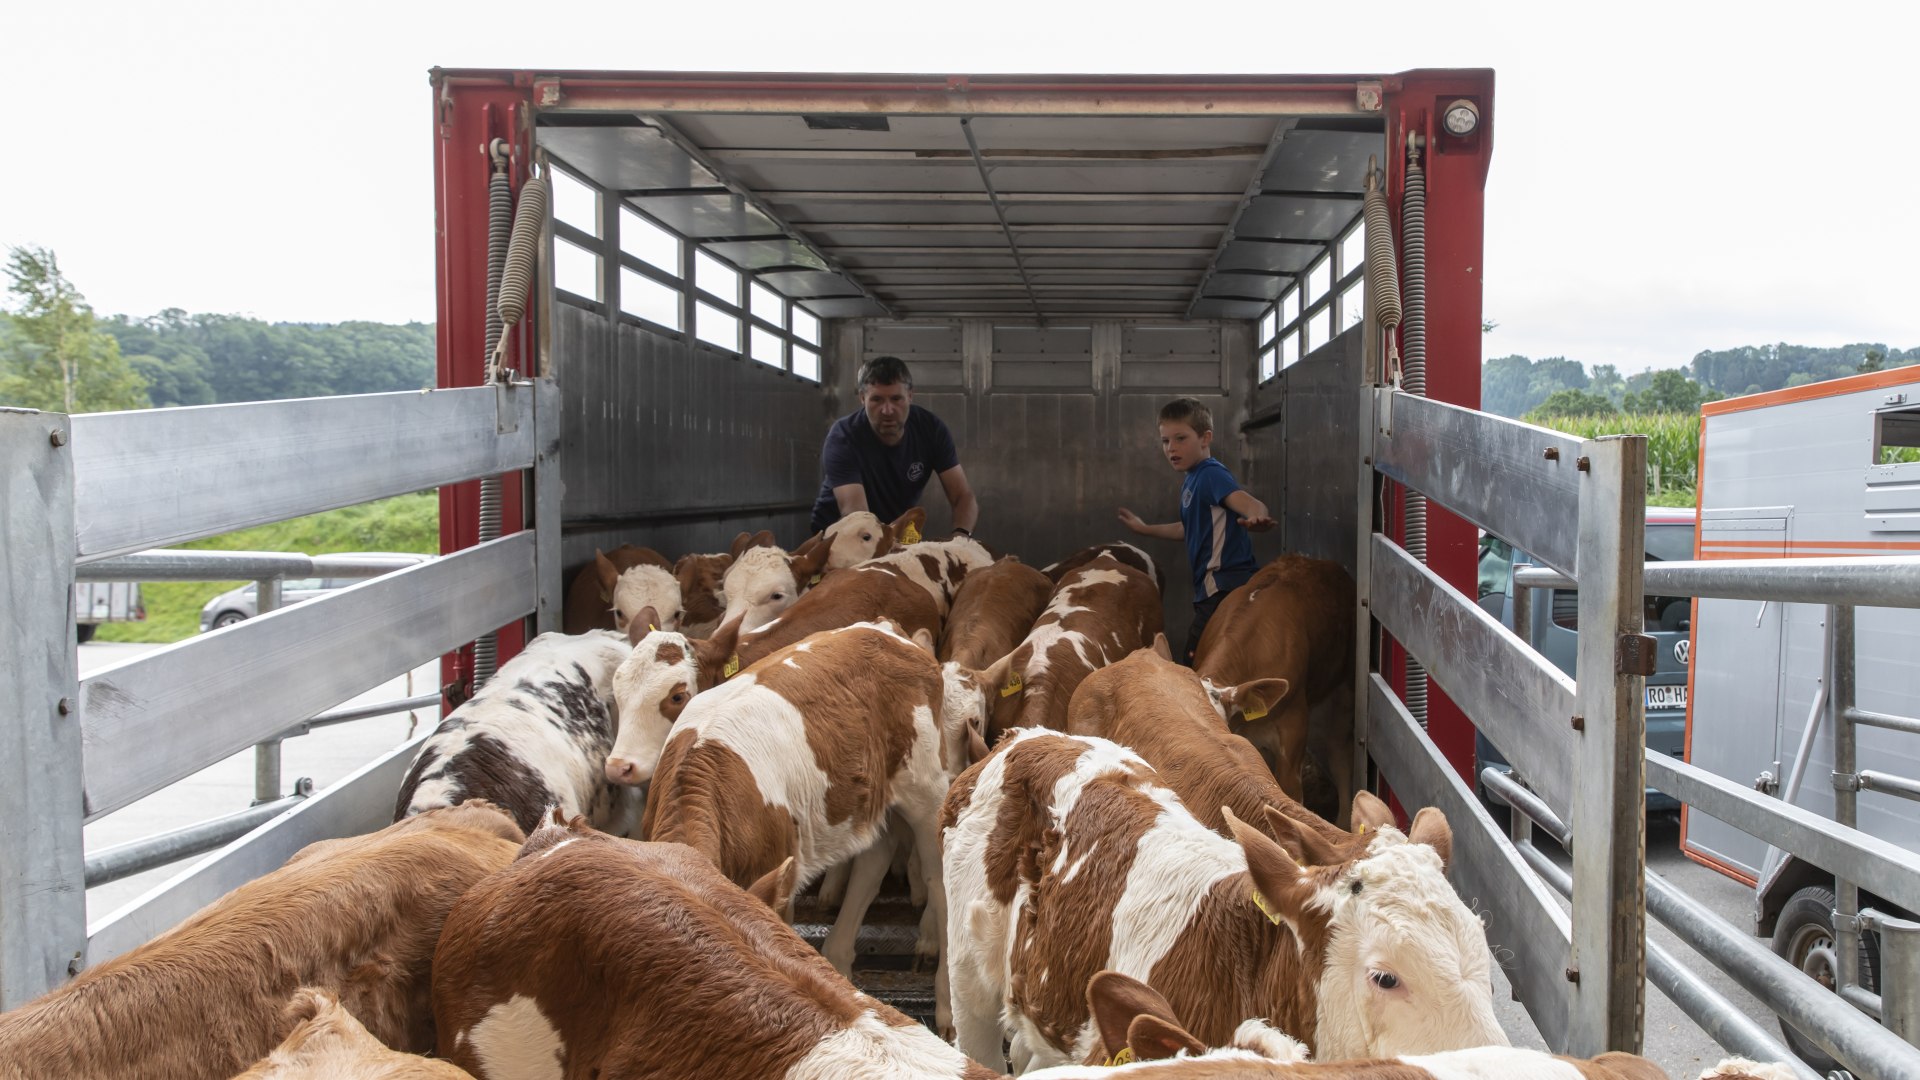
<point x="1170" y="531"/>
<point x="1254" y="515"/>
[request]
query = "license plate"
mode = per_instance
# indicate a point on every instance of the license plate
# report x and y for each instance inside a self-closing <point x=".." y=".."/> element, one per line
<point x="1666" y="697"/>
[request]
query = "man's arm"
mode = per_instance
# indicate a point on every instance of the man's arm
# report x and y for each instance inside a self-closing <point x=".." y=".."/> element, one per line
<point x="966" y="508"/>
<point x="851" y="497"/>
<point x="1254" y="515"/>
<point x="1173" y="530"/>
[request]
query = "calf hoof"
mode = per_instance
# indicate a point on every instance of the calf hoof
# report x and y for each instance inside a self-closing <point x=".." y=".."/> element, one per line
<point x="841" y="959"/>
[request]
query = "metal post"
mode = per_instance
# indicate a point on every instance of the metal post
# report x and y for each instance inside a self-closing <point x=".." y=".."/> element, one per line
<point x="43" y="908"/>
<point x="1900" y="976"/>
<point x="1609" y="805"/>
<point x="1522" y="606"/>
<point x="266" y="755"/>
<point x="1846" y="791"/>
<point x="545" y="497"/>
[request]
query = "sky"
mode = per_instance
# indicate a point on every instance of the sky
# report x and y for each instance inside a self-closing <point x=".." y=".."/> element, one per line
<point x="1666" y="178"/>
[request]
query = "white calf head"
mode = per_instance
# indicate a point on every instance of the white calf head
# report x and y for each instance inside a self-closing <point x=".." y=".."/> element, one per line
<point x="861" y="536"/>
<point x="763" y="582"/>
<point x="966" y="704"/>
<point x="650" y="689"/>
<point x="641" y="587"/>
<point x="1406" y="964"/>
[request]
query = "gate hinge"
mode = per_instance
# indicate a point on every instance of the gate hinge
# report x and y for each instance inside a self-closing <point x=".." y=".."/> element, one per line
<point x="1767" y="783"/>
<point x="1635" y="654"/>
<point x="1846" y="781"/>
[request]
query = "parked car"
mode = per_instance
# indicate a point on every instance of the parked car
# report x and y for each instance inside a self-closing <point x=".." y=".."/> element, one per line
<point x="236" y="605"/>
<point x="1556" y="632"/>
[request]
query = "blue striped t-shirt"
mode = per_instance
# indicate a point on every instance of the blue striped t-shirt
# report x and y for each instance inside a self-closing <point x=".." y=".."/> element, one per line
<point x="1218" y="548"/>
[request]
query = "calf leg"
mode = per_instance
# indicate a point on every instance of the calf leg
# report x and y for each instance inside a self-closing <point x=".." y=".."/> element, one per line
<point x="863" y="884"/>
<point x="977" y="950"/>
<point x="1342" y="761"/>
<point x="933" y="923"/>
<point x="833" y="883"/>
<point x="915" y="875"/>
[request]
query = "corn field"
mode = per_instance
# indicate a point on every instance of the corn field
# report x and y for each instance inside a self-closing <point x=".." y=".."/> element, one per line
<point x="1673" y="447"/>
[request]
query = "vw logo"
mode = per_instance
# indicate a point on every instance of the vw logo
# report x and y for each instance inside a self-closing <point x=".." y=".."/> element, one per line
<point x="1683" y="650"/>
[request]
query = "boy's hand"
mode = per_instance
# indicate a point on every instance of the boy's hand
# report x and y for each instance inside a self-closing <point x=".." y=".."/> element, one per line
<point x="1257" y="524"/>
<point x="1131" y="520"/>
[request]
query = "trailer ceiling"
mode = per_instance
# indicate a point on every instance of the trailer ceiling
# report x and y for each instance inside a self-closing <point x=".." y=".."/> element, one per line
<point x="874" y="213"/>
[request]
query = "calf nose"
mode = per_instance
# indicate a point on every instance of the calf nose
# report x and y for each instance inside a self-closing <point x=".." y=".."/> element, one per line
<point x="623" y="771"/>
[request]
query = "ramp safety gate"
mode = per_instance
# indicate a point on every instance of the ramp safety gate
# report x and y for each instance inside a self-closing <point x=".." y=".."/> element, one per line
<point x="85" y="489"/>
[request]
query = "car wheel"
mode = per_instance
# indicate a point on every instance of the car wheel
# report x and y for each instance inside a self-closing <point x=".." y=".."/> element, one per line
<point x="228" y="618"/>
<point x="83" y="632"/>
<point x="1804" y="937"/>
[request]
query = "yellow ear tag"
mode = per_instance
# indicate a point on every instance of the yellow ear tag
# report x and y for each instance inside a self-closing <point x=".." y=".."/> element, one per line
<point x="1254" y="713"/>
<point x="1015" y="684"/>
<point x="1363" y="828"/>
<point x="1124" y="1057"/>
<point x="814" y="580"/>
<point x="1265" y="909"/>
<point x="732" y="667"/>
<point x="911" y="535"/>
<point x="653" y="628"/>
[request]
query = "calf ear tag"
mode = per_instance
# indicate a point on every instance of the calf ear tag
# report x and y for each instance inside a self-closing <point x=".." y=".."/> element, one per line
<point x="732" y="667"/>
<point x="911" y="534"/>
<point x="1265" y="908"/>
<point x="1254" y="712"/>
<point x="814" y="580"/>
<point x="1015" y="684"/>
<point x="1124" y="1057"/>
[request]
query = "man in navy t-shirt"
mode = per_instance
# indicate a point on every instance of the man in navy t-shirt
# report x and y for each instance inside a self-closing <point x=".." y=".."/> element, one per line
<point x="880" y="456"/>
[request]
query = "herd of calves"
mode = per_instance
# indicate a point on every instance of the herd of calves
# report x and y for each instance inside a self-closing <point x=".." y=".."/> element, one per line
<point x="594" y="860"/>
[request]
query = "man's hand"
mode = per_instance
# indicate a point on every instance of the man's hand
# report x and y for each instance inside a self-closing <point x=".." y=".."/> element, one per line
<point x="1257" y="524"/>
<point x="1132" y="520"/>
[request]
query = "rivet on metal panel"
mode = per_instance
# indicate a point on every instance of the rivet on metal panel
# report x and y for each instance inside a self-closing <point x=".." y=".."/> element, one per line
<point x="1634" y="654"/>
<point x="1579" y="723"/>
<point x="1583" y="464"/>
<point x="57" y="437"/>
<point x="303" y="786"/>
<point x="65" y="707"/>
<point x="1552" y="453"/>
<point x="1367" y="96"/>
<point x="1573" y="975"/>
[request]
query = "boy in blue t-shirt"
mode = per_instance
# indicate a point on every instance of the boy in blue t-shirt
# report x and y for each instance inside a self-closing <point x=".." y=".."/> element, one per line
<point x="1215" y="513"/>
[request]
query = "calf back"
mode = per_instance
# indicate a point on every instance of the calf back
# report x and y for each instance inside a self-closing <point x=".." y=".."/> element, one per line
<point x="329" y="1044"/>
<point x="992" y="612"/>
<point x="842" y="599"/>
<point x="1097" y="614"/>
<point x="1292" y="620"/>
<point x="357" y="917"/>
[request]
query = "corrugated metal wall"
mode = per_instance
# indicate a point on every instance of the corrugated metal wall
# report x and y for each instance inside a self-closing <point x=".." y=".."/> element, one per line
<point x="676" y="445"/>
<point x="1057" y="425"/>
<point x="1303" y="452"/>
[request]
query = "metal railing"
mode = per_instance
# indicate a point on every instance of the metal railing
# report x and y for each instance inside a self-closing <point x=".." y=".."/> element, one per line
<point x="76" y="492"/>
<point x="1833" y="1020"/>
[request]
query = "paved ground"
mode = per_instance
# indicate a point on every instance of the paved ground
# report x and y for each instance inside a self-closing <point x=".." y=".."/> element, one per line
<point x="327" y="755"/>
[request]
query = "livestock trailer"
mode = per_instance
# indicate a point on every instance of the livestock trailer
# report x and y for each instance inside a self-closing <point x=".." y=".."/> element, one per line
<point x="1054" y="256"/>
<point x="1826" y="470"/>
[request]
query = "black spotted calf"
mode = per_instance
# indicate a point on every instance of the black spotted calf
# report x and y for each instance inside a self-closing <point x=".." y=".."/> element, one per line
<point x="535" y="737"/>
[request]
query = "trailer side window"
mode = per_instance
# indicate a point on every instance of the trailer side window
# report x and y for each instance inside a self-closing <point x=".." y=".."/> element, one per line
<point x="649" y="243"/>
<point x="574" y="202"/>
<point x="1896" y="436"/>
<point x="575" y="269"/>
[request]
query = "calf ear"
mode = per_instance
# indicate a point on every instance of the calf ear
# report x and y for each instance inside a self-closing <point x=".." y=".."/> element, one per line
<point x="1161" y="648"/>
<point x="1430" y="828"/>
<point x="994" y="676"/>
<point x="1116" y="1000"/>
<point x="806" y="546"/>
<point x="1301" y="839"/>
<point x="977" y="749"/>
<point x="775" y="887"/>
<point x="1280" y="890"/>
<point x="1151" y="1038"/>
<point x="740" y="544"/>
<point x="645" y="621"/>
<point x="916" y="518"/>
<point x="710" y="655"/>
<point x="609" y="574"/>
<point x="1255" y="699"/>
<point x="764" y="538"/>
<point x="923" y="637"/>
<point x="1370" y="812"/>
<point x="809" y="561"/>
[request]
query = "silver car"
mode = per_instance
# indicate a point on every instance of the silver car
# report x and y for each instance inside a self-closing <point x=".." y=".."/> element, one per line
<point x="235" y="605"/>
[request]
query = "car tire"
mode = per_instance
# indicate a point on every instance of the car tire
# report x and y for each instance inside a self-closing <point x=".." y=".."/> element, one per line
<point x="228" y="618"/>
<point x="83" y="632"/>
<point x="1804" y="937"/>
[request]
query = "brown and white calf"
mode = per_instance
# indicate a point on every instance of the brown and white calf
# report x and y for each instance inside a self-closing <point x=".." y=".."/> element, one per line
<point x="1096" y="615"/>
<point x="592" y="599"/>
<point x="1178" y="723"/>
<point x="357" y="917"/>
<point x="765" y="581"/>
<point x="536" y="736"/>
<point x="329" y="1044"/>
<point x="1119" y="551"/>
<point x="703" y="597"/>
<point x="808" y="753"/>
<point x="652" y="687"/>
<point x="1066" y="854"/>
<point x="694" y="977"/>
<point x="860" y="536"/>
<point x="1293" y="621"/>
<point x="993" y="609"/>
<point x="1139" y="1029"/>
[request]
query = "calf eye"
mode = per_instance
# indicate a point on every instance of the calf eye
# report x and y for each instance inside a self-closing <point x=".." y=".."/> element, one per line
<point x="680" y="699"/>
<point x="1385" y="980"/>
<point x="778" y="596"/>
<point x="1356" y="888"/>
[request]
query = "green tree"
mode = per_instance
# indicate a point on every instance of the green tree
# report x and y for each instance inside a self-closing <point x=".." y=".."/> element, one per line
<point x="1875" y="360"/>
<point x="1666" y="391"/>
<point x="1607" y="382"/>
<point x="57" y="358"/>
<point x="1562" y="403"/>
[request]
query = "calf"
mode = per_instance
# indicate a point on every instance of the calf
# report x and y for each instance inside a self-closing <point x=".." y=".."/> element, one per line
<point x="702" y="596"/>
<point x="1294" y="621"/>
<point x="1140" y="1035"/>
<point x="765" y="581"/>
<point x="329" y="1044"/>
<point x="992" y="611"/>
<point x="860" y="536"/>
<point x="1178" y="723"/>
<point x="1098" y="614"/>
<point x="535" y="736"/>
<point x="1121" y="552"/>
<point x="1065" y="855"/>
<point x="651" y="688"/>
<point x="357" y="917"/>
<point x="693" y="977"/>
<point x="591" y="599"/>
<point x="805" y="755"/>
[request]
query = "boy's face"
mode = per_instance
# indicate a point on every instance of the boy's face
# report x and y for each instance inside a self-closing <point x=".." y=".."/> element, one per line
<point x="1184" y="446"/>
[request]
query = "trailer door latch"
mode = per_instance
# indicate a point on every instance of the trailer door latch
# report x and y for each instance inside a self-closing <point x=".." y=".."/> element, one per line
<point x="1635" y="654"/>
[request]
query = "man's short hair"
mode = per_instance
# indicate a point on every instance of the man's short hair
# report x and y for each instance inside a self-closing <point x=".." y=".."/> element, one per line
<point x="1188" y="411"/>
<point x="885" y="371"/>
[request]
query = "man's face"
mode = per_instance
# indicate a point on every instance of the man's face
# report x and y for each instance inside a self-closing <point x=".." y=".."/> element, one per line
<point x="1183" y="446"/>
<point x="887" y="405"/>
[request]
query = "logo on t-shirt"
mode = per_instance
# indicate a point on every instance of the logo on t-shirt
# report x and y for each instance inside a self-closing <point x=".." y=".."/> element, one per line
<point x="1186" y="498"/>
<point x="915" y="471"/>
